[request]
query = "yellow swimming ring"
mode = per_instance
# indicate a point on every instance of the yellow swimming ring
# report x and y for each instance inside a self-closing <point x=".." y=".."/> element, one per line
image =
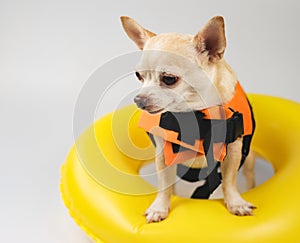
<point x="106" y="197"/>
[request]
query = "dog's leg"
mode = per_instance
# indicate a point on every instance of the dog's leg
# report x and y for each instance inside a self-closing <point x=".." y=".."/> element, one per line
<point x="229" y="167"/>
<point x="248" y="170"/>
<point x="159" y="209"/>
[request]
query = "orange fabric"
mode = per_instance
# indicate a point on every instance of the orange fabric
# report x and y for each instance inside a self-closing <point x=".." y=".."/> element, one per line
<point x="239" y="103"/>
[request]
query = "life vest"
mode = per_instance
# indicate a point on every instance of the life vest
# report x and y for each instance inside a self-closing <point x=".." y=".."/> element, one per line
<point x="206" y="132"/>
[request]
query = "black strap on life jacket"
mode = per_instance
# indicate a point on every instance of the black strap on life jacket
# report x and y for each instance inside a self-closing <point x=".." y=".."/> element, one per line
<point x="214" y="178"/>
<point x="192" y="126"/>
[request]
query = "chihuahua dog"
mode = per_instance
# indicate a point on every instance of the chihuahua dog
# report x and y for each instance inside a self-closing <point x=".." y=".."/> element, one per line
<point x="183" y="73"/>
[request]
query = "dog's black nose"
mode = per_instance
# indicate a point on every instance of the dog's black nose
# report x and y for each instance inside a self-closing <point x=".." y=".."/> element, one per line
<point x="141" y="101"/>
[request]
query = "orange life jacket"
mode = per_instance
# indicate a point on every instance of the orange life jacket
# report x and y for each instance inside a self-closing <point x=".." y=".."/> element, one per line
<point x="186" y="134"/>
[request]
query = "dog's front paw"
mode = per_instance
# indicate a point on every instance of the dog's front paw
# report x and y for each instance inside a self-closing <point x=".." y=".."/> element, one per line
<point x="155" y="216"/>
<point x="240" y="207"/>
<point x="156" y="212"/>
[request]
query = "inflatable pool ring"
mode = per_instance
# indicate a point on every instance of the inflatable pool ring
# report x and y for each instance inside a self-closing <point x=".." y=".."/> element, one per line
<point x="106" y="196"/>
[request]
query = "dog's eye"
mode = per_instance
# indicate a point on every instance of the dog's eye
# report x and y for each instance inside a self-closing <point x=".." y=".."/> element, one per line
<point x="169" y="80"/>
<point x="138" y="75"/>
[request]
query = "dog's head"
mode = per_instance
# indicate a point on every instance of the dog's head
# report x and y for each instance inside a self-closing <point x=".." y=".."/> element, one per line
<point x="180" y="72"/>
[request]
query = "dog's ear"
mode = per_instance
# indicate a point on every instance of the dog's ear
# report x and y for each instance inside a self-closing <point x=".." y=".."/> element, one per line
<point x="136" y="32"/>
<point x="210" y="41"/>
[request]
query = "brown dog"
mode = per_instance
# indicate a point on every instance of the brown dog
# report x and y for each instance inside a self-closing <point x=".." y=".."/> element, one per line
<point x="182" y="73"/>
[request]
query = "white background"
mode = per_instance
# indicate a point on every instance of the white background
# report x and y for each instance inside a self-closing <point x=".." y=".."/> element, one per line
<point x="48" y="49"/>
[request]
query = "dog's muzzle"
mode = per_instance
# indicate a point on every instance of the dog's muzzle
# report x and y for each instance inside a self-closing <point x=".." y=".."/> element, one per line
<point x="141" y="101"/>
